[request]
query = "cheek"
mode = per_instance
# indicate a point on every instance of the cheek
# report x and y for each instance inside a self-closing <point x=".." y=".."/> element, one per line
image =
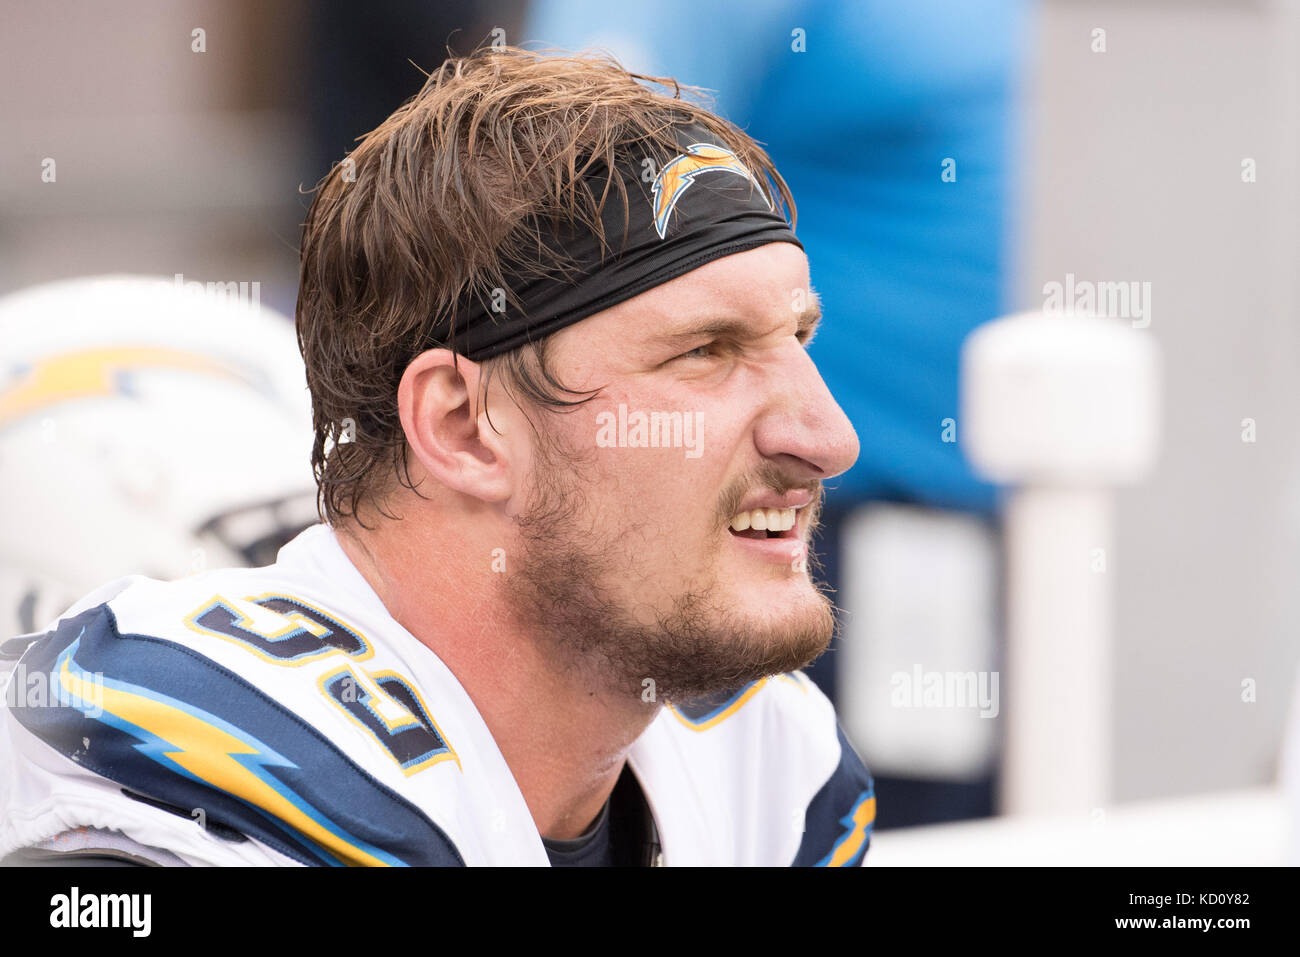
<point x="661" y="506"/>
<point x="661" y="457"/>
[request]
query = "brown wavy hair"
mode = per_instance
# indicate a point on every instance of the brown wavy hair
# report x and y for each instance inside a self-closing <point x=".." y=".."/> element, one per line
<point x="433" y="207"/>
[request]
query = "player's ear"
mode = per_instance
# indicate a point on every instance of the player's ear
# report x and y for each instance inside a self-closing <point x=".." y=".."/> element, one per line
<point x="437" y="402"/>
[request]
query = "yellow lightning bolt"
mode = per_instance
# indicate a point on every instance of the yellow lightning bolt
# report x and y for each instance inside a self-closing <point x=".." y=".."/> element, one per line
<point x="678" y="174"/>
<point x="80" y="375"/>
<point x="863" y="815"/>
<point x="208" y="752"/>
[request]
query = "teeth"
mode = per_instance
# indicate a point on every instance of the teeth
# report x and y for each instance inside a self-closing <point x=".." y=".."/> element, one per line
<point x="765" y="519"/>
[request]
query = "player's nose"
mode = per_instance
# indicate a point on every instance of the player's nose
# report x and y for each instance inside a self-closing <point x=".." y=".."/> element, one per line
<point x="805" y="422"/>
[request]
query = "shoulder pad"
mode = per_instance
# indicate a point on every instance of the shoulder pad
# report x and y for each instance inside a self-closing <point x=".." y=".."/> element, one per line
<point x="778" y="738"/>
<point x="841" y="815"/>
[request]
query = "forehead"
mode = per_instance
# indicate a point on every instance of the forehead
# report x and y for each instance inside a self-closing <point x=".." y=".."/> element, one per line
<point x="759" y="285"/>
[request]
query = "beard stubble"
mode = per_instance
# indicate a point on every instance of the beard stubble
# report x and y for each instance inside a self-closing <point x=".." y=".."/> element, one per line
<point x="697" y="648"/>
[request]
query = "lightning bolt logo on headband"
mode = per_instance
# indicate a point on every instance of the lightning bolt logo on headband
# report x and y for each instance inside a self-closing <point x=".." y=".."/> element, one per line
<point x="679" y="173"/>
<point x="722" y="216"/>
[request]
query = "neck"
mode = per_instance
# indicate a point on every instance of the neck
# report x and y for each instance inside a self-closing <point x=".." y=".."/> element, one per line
<point x="563" y="735"/>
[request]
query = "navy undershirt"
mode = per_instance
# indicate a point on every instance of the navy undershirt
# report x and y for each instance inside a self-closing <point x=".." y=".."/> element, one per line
<point x="593" y="849"/>
<point x="622" y="835"/>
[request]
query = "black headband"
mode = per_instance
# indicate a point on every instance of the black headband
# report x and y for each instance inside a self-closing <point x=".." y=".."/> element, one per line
<point x="703" y="205"/>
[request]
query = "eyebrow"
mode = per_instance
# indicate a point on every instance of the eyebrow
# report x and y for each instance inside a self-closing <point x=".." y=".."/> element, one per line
<point x="808" y="320"/>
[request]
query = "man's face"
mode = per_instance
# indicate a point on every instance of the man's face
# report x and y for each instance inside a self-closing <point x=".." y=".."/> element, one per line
<point x="709" y="408"/>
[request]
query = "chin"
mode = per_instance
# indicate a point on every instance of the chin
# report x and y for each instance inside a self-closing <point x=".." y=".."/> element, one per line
<point x="751" y="644"/>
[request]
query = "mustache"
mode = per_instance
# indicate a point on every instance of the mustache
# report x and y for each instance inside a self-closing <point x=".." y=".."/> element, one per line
<point x="772" y="478"/>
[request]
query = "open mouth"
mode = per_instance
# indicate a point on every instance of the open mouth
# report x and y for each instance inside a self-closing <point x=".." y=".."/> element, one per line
<point x="762" y="523"/>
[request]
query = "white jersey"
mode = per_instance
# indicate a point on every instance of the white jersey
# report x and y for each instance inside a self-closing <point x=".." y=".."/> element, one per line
<point x="280" y="715"/>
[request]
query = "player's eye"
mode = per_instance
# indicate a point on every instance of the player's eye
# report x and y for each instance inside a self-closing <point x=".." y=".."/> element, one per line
<point x="701" y="352"/>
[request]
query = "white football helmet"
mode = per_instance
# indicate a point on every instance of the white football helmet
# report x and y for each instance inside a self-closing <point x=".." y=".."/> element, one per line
<point x="145" y="427"/>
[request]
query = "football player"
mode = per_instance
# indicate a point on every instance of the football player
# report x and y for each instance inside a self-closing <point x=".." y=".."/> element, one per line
<point x="570" y="450"/>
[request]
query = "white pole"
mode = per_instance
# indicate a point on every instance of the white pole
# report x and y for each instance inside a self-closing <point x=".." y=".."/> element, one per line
<point x="1062" y="409"/>
<point x="1057" y="697"/>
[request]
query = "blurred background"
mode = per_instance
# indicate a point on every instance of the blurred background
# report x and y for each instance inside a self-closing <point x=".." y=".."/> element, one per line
<point x="954" y="162"/>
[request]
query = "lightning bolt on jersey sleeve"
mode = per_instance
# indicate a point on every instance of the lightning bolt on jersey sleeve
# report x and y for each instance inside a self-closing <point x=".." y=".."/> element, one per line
<point x="841" y="815"/>
<point x="161" y="721"/>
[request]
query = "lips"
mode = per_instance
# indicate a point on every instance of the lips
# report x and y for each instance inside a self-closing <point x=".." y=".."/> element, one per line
<point x="769" y="526"/>
<point x="795" y="499"/>
<point x="785" y="547"/>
